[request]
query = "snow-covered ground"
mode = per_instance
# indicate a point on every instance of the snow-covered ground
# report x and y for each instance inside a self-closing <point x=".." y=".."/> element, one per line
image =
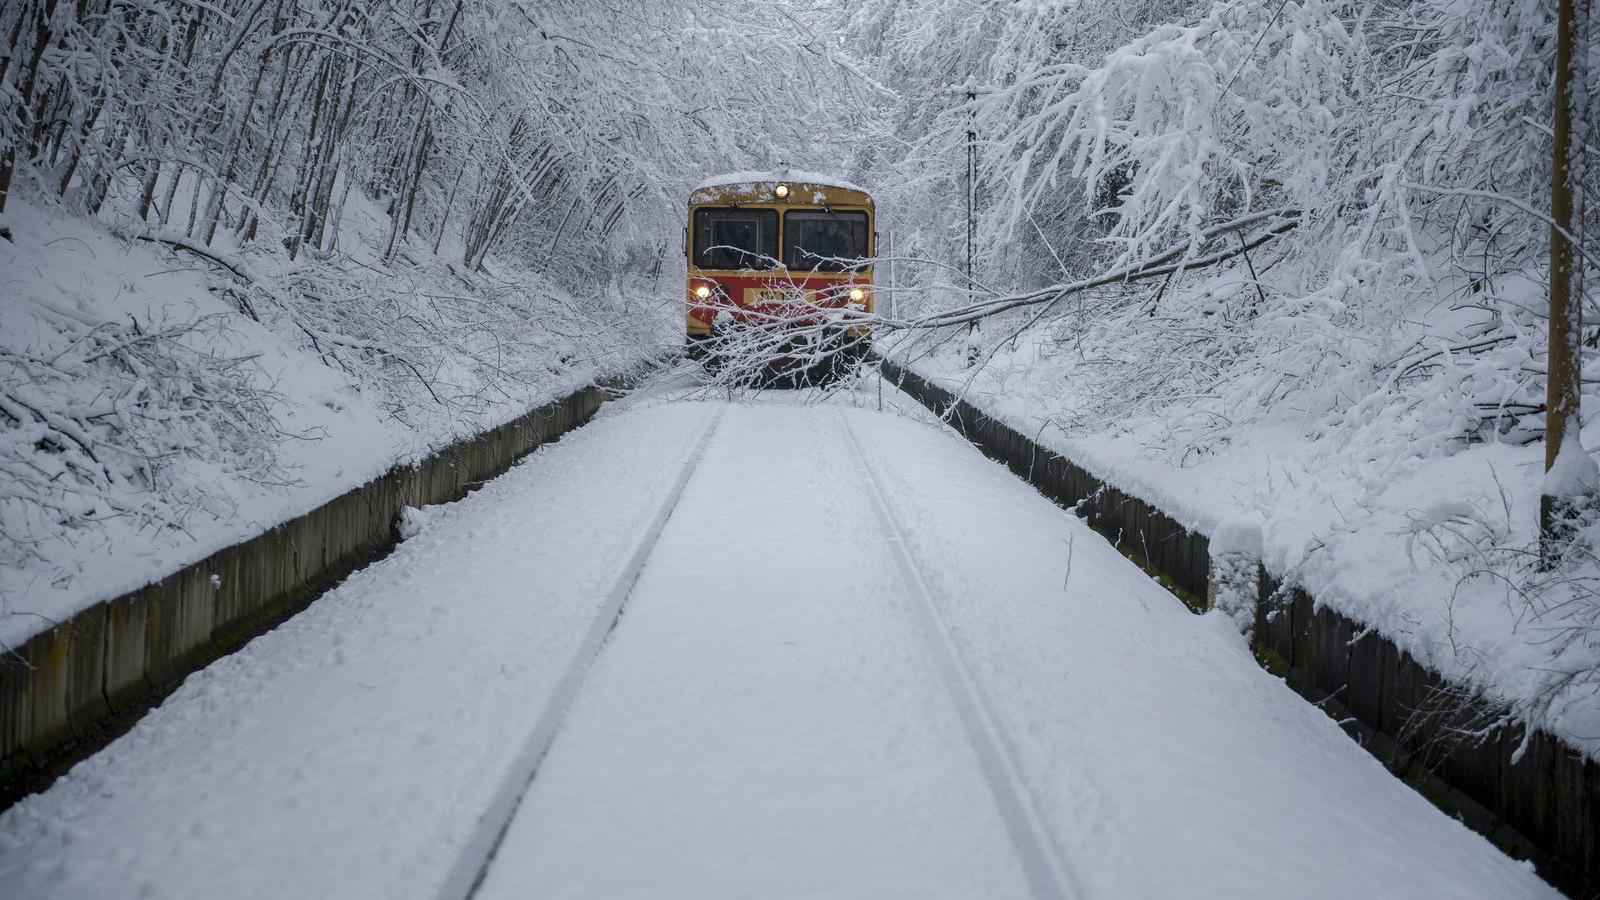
<point x="770" y="716"/>
<point x="1411" y="543"/>
<point x="159" y="407"/>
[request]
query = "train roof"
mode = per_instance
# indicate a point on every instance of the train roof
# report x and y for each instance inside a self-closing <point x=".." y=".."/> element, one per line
<point x="752" y="179"/>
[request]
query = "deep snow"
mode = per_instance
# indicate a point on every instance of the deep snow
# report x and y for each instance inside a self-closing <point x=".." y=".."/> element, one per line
<point x="327" y="344"/>
<point x="1411" y="544"/>
<point x="766" y="718"/>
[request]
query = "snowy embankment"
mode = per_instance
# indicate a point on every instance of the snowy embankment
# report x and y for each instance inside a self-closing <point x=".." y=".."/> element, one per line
<point x="1279" y="269"/>
<point x="1413" y="545"/>
<point x="161" y="403"/>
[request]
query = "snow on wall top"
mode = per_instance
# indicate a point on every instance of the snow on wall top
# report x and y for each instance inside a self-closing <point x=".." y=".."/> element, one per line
<point x="786" y="175"/>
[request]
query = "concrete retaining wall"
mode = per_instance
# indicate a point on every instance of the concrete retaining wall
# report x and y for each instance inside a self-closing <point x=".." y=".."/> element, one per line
<point x="1542" y="804"/>
<point x="63" y="690"/>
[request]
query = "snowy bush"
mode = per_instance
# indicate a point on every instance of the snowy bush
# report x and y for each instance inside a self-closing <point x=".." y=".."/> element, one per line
<point x="121" y="420"/>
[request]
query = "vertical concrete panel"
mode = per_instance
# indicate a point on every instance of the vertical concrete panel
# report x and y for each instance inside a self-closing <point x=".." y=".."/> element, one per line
<point x="302" y="551"/>
<point x="427" y="481"/>
<point x="1155" y="543"/>
<point x="442" y="479"/>
<point x="396" y="494"/>
<point x="1574" y="812"/>
<point x="341" y="528"/>
<point x="438" y="479"/>
<point x="1364" y="696"/>
<point x="1144" y="539"/>
<point x="1587" y="854"/>
<point x="1175" y="557"/>
<point x="1391" y="717"/>
<point x="198" y="605"/>
<point x="233" y="604"/>
<point x="1164" y="535"/>
<point x="1470" y="763"/>
<point x="1174" y="541"/>
<point x="1060" y="479"/>
<point x="161" y="638"/>
<point x="1131" y="523"/>
<point x="458" y="474"/>
<point x="85" y="669"/>
<point x="1529" y="788"/>
<point x="46" y="659"/>
<point x="125" y="642"/>
<point x="416" y="485"/>
<point x="420" y="490"/>
<point x="1333" y="634"/>
<point x="1305" y="655"/>
<point x="1411" y="687"/>
<point x="1282" y="625"/>
<point x="1127" y="521"/>
<point x="1264" y="636"/>
<point x="14" y="687"/>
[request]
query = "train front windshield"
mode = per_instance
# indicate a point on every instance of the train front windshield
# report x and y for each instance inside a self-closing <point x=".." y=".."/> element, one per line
<point x="824" y="240"/>
<point x="728" y="238"/>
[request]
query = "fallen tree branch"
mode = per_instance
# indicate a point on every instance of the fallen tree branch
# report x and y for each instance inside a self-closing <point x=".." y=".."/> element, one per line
<point x="184" y="242"/>
<point x="1164" y="263"/>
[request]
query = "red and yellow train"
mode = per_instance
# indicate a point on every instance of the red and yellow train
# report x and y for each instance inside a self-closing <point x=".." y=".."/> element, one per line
<point x="778" y="251"/>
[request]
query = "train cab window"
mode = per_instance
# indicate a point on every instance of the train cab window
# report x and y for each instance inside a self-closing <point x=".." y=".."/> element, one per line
<point x="727" y="238"/>
<point x="823" y="240"/>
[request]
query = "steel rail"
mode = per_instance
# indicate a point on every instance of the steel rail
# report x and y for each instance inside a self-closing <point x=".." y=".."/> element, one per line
<point x="477" y="856"/>
<point x="1048" y="874"/>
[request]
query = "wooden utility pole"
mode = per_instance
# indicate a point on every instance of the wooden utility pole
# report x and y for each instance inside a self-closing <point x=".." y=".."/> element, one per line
<point x="1561" y="496"/>
<point x="972" y="179"/>
<point x="972" y="208"/>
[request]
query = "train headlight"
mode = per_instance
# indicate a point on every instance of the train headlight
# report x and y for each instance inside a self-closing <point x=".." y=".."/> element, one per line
<point x="703" y="291"/>
<point x="781" y="190"/>
<point x="857" y="295"/>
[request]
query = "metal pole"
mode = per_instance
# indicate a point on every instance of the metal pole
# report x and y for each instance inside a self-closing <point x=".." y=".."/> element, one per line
<point x="1563" y="396"/>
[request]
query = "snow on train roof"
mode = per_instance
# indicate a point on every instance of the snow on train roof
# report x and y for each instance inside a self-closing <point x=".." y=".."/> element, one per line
<point x="788" y="175"/>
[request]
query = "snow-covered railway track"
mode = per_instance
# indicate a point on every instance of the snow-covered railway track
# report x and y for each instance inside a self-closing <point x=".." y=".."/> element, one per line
<point x="1039" y="859"/>
<point x="790" y="708"/>
<point x="478" y="855"/>
<point x="1047" y="870"/>
<point x="769" y="719"/>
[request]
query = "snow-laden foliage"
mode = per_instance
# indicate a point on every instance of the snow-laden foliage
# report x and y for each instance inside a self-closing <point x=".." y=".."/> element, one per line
<point x="944" y="59"/>
<point x="1309" y="234"/>
<point x="1408" y="143"/>
<point x="538" y="124"/>
<point x="1350" y="192"/>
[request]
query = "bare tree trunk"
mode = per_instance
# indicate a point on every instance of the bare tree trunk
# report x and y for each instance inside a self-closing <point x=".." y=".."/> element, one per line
<point x="84" y="131"/>
<point x="332" y="158"/>
<point x="41" y="39"/>
<point x="300" y="202"/>
<point x="276" y="139"/>
<point x="444" y="217"/>
<point x="1564" y="493"/>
